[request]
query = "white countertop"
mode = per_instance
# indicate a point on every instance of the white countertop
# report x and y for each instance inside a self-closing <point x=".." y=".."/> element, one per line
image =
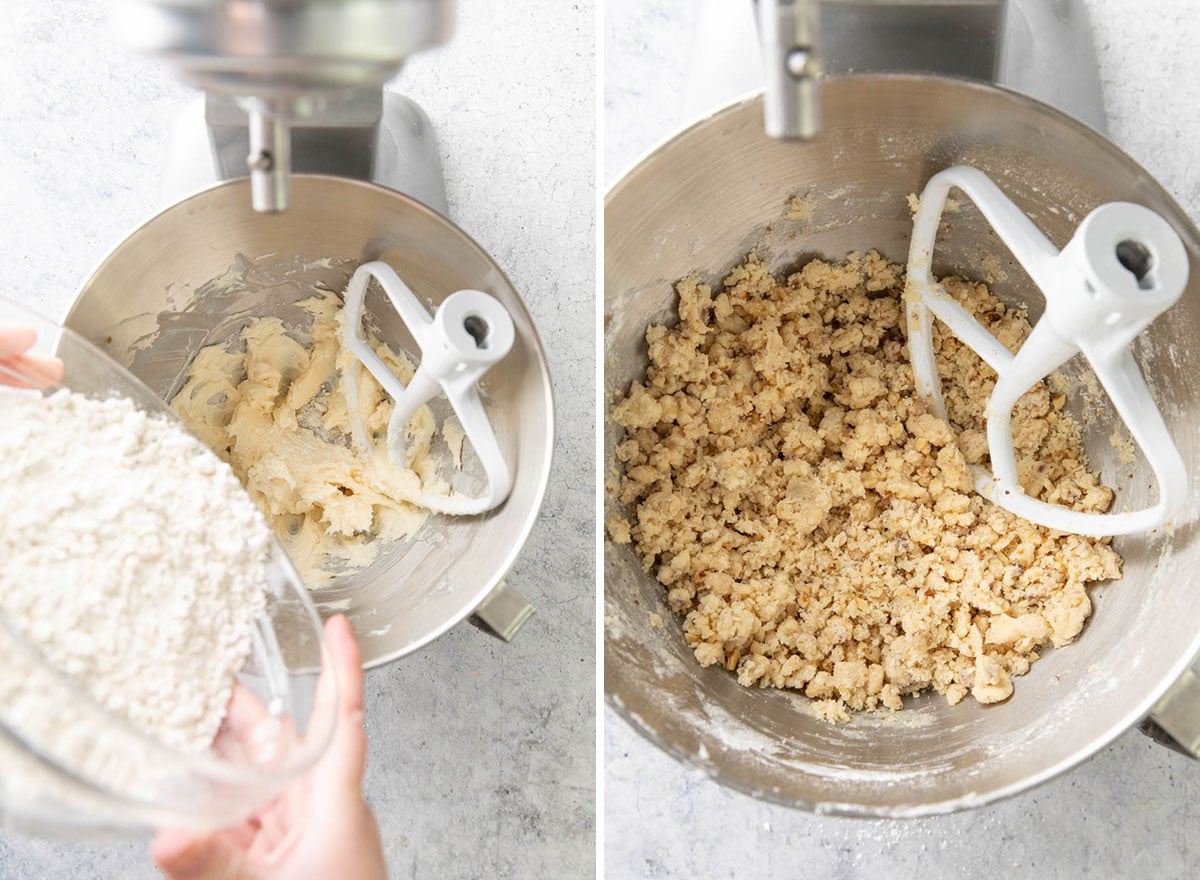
<point x="481" y="754"/>
<point x="1131" y="810"/>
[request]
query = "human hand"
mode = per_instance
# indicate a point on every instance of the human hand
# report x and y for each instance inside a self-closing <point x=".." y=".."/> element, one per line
<point x="21" y="370"/>
<point x="319" y="827"/>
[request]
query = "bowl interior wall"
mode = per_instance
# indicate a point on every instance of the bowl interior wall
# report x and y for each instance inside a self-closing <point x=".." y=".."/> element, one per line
<point x="199" y="271"/>
<point x="700" y="203"/>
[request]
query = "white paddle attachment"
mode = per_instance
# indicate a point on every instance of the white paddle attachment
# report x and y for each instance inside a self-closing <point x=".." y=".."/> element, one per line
<point x="468" y="333"/>
<point x="1124" y="266"/>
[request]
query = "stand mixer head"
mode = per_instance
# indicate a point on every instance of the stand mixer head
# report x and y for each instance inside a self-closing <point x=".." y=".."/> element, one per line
<point x="1040" y="49"/>
<point x="286" y="63"/>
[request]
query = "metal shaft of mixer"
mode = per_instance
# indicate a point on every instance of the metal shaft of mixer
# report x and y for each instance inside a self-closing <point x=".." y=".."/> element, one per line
<point x="787" y="30"/>
<point x="270" y="159"/>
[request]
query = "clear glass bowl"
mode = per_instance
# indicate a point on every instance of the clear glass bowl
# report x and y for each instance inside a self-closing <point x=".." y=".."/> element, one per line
<point x="107" y="776"/>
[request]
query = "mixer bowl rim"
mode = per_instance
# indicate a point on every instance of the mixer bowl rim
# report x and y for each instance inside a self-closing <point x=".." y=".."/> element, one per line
<point x="527" y="523"/>
<point x="1115" y="728"/>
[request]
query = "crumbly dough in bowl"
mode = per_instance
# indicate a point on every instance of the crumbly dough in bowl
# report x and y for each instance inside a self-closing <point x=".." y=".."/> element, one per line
<point x="815" y="525"/>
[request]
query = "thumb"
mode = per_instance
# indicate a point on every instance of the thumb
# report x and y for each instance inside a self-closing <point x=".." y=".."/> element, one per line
<point x="183" y="857"/>
<point x="341" y="768"/>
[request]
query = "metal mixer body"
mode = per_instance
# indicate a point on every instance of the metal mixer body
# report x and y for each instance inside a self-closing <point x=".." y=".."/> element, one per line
<point x="1041" y="49"/>
<point x="377" y="136"/>
<point x="294" y="83"/>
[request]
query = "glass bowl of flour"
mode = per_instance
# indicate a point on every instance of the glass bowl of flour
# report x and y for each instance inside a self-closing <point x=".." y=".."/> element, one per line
<point x="163" y="662"/>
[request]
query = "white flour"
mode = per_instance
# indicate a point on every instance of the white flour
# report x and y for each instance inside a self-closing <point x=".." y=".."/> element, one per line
<point x="132" y="557"/>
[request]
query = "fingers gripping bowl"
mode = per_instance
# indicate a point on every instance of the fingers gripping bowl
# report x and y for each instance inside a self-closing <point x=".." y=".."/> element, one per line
<point x="720" y="189"/>
<point x="73" y="765"/>
<point x="200" y="271"/>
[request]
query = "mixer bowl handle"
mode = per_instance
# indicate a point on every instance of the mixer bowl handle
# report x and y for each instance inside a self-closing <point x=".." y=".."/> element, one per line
<point x="504" y="611"/>
<point x="1175" y="719"/>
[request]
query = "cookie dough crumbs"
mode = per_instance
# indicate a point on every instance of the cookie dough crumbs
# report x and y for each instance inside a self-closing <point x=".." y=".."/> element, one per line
<point x="829" y="710"/>
<point x="1125" y="447"/>
<point x="800" y="208"/>
<point x="815" y="525"/>
<point x="993" y="272"/>
<point x="276" y="412"/>
<point x="454" y="436"/>
<point x="619" y="529"/>
<point x="951" y="206"/>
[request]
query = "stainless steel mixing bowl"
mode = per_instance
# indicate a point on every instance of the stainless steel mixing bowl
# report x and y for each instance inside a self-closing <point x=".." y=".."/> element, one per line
<point x="197" y="272"/>
<point x="700" y="202"/>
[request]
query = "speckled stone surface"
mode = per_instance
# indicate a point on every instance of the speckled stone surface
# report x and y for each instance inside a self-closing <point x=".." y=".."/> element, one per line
<point x="1131" y="811"/>
<point x="481" y="754"/>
